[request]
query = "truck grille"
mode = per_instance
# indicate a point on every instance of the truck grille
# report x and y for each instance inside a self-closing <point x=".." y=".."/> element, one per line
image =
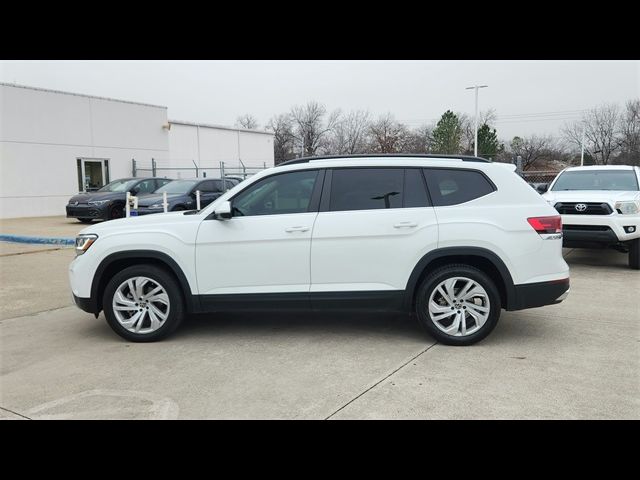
<point x="569" y="208"/>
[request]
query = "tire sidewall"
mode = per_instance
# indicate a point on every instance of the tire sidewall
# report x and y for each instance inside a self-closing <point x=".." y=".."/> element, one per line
<point x="433" y="280"/>
<point x="176" y="310"/>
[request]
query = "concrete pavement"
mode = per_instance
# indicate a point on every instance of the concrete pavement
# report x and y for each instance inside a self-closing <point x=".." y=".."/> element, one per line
<point x="579" y="359"/>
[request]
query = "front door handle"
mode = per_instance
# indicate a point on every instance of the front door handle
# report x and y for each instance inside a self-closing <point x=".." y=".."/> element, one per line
<point x="296" y="229"/>
<point x="405" y="225"/>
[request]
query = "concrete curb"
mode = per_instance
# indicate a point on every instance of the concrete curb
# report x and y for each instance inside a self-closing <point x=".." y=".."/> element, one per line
<point x="37" y="240"/>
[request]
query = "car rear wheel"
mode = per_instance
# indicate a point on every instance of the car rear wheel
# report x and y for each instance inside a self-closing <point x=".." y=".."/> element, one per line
<point x="634" y="254"/>
<point x="458" y="305"/>
<point x="143" y="303"/>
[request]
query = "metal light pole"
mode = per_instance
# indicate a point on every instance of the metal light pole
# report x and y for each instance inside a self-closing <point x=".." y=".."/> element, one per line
<point x="582" y="147"/>
<point x="475" y="145"/>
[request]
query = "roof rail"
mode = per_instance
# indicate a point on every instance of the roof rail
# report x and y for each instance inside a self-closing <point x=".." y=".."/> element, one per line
<point x="464" y="158"/>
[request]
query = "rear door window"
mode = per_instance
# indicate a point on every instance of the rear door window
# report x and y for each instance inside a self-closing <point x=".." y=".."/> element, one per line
<point x="366" y="188"/>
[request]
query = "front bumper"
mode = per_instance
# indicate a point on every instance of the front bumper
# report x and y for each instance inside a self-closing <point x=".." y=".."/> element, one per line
<point x="87" y="211"/>
<point x="85" y="304"/>
<point x="532" y="295"/>
<point x="583" y="230"/>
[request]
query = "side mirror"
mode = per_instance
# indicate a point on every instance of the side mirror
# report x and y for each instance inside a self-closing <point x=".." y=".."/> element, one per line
<point x="223" y="211"/>
<point x="542" y="188"/>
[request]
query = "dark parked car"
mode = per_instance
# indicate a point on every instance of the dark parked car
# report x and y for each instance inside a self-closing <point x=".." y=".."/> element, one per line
<point x="109" y="202"/>
<point x="181" y="195"/>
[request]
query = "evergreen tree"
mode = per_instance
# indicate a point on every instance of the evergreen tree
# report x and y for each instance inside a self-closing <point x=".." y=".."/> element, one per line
<point x="447" y="134"/>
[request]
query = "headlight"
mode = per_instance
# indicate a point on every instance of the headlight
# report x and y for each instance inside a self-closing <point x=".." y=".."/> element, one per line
<point x="83" y="242"/>
<point x="96" y="203"/>
<point x="156" y="205"/>
<point x="628" y="208"/>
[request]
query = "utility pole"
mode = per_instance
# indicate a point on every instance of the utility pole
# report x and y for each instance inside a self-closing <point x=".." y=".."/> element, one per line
<point x="475" y="144"/>
<point x="582" y="147"/>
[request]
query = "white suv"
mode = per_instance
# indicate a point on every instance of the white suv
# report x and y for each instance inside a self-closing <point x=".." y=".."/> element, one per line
<point x="453" y="240"/>
<point x="600" y="207"/>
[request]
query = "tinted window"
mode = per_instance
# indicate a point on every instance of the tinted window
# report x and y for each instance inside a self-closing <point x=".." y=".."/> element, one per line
<point x="415" y="192"/>
<point x="177" y="186"/>
<point x="366" y="188"/>
<point x="278" y="194"/>
<point x="451" y="187"/>
<point x="161" y="182"/>
<point x="624" y="180"/>
<point x="208" y="186"/>
<point x="146" y="186"/>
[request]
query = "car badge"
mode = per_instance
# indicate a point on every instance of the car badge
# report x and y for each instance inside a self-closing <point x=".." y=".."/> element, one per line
<point x="581" y="207"/>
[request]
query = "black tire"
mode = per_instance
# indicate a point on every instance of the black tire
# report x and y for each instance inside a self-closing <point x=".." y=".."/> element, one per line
<point x="163" y="278"/>
<point x="432" y="281"/>
<point x="115" y="212"/>
<point x="85" y="220"/>
<point x="634" y="254"/>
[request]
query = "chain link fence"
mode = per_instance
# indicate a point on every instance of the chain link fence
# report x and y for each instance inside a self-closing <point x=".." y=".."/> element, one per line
<point x="167" y="169"/>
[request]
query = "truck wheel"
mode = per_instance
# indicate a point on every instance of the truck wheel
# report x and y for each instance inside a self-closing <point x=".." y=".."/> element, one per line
<point x="634" y="254"/>
<point x="458" y="305"/>
<point x="143" y="303"/>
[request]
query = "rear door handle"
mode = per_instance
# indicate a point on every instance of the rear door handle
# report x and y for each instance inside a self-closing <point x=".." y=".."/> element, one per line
<point x="405" y="225"/>
<point x="296" y="229"/>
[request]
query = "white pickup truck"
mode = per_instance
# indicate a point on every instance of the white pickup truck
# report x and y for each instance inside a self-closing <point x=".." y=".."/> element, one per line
<point x="600" y="207"/>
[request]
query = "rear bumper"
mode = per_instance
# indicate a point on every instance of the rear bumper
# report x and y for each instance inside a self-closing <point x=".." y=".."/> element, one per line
<point x="532" y="295"/>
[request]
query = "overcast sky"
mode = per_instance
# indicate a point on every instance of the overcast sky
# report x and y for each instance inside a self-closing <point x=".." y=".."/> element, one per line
<point x="528" y="96"/>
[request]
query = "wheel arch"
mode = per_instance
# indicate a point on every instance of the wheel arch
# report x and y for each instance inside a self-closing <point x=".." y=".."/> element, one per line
<point x="120" y="260"/>
<point x="481" y="258"/>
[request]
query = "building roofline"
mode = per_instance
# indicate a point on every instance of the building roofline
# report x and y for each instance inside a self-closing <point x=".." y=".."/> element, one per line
<point x="28" y="87"/>
<point x="220" y="127"/>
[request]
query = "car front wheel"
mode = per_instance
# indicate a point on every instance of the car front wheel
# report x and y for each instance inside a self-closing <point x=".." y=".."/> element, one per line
<point x="143" y="303"/>
<point x="458" y="305"/>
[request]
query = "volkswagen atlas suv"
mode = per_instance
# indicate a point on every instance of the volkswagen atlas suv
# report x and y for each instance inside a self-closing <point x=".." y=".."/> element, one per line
<point x="452" y="241"/>
<point x="600" y="208"/>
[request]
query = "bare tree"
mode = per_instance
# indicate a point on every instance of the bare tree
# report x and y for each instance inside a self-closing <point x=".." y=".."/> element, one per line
<point x="283" y="137"/>
<point x="630" y="133"/>
<point x="418" y="140"/>
<point x="600" y="127"/>
<point x="310" y="128"/>
<point x="467" y="124"/>
<point x="387" y="135"/>
<point x="532" y="149"/>
<point x="349" y="134"/>
<point x="247" y="121"/>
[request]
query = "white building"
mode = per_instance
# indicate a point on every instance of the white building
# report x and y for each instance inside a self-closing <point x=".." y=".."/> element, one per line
<point x="54" y="144"/>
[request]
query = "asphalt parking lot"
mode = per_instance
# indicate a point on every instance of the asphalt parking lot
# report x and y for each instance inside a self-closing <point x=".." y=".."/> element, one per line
<point x="576" y="360"/>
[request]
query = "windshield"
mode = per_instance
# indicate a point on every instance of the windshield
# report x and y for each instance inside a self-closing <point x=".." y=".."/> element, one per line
<point x="177" y="186"/>
<point x="119" y="186"/>
<point x="624" y="180"/>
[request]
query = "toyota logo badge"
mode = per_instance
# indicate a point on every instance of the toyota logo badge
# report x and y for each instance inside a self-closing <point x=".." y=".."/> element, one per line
<point x="581" y="207"/>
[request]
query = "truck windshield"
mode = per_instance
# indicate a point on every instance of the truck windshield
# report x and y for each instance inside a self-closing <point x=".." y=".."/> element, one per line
<point x="624" y="180"/>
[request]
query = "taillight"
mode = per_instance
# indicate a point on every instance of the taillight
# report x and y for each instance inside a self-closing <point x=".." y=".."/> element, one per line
<point x="546" y="224"/>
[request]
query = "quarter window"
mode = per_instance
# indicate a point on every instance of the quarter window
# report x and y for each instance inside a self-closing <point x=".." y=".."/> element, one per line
<point x="278" y="194"/>
<point x="455" y="186"/>
<point x="366" y="188"/>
